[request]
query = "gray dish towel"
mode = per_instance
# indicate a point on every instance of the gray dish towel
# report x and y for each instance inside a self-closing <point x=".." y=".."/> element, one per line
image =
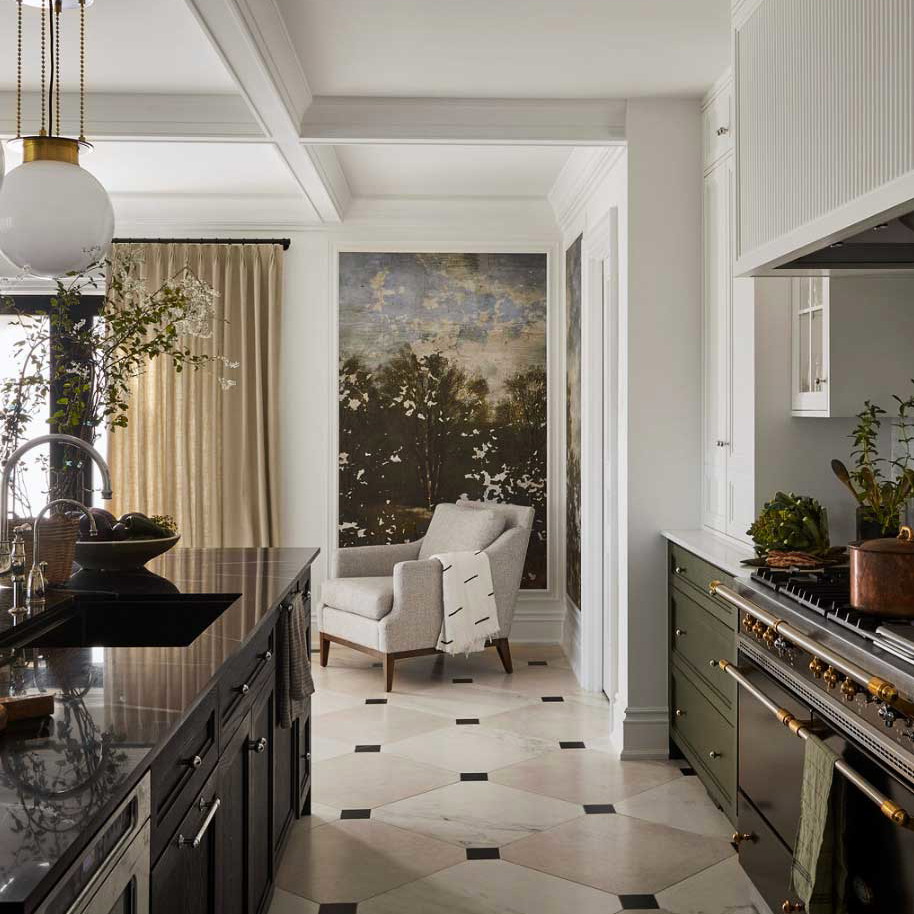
<point x="819" y="869"/>
<point x="295" y="682"/>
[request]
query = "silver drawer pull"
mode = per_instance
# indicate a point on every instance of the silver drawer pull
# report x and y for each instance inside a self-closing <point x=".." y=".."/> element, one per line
<point x="195" y="762"/>
<point x="680" y="712"/>
<point x="266" y="655"/>
<point x="244" y="688"/>
<point x="197" y="839"/>
<point x="723" y="131"/>
<point x="679" y="569"/>
<point x="258" y="745"/>
<point x="680" y="632"/>
<point x="714" y="754"/>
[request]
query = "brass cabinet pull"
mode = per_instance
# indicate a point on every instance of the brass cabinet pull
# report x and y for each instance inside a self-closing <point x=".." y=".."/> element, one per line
<point x="679" y="569"/>
<point x="680" y="632"/>
<point x="788" y="906"/>
<point x="679" y="712"/>
<point x="714" y="754"/>
<point x="258" y="745"/>
<point x="738" y="837"/>
<point x="197" y="839"/>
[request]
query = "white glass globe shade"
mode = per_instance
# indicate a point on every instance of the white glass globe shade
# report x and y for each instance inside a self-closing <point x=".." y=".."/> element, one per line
<point x="55" y="218"/>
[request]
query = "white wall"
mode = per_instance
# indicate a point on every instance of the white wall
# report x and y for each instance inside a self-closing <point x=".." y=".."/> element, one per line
<point x="308" y="370"/>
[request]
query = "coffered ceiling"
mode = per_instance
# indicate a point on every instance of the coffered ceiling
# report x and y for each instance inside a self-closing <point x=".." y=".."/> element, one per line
<point x="295" y="107"/>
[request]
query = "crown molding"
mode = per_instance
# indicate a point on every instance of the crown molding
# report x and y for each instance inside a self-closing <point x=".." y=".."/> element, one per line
<point x="742" y="10"/>
<point x="579" y="177"/>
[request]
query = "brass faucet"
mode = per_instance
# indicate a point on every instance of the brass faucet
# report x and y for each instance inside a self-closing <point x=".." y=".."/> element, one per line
<point x="36" y="590"/>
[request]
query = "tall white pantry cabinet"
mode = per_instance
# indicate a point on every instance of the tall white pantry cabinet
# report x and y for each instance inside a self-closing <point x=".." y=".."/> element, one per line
<point x="728" y="420"/>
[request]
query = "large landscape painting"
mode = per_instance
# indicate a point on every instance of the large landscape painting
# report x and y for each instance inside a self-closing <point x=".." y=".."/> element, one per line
<point x="442" y="391"/>
<point x="573" y="421"/>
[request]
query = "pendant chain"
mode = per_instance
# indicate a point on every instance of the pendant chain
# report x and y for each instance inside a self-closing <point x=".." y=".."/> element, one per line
<point x="19" y="69"/>
<point x="82" y="71"/>
<point x="57" y="8"/>
<point x="43" y="131"/>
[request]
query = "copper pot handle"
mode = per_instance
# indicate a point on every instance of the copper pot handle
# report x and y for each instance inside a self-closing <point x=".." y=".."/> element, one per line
<point x="905" y="533"/>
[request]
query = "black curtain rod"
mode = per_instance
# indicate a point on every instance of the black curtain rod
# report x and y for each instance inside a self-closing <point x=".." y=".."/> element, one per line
<point x="285" y="242"/>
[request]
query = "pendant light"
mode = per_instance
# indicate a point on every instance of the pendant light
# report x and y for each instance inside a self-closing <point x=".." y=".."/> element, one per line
<point x="55" y="217"/>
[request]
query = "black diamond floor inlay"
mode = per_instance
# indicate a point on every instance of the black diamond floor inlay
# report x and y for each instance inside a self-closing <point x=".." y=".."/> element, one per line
<point x="596" y="809"/>
<point x="375" y="701"/>
<point x="537" y="663"/>
<point x="571" y="744"/>
<point x="639" y="903"/>
<point x="483" y="853"/>
<point x="467" y="720"/>
<point x="367" y="748"/>
<point x="346" y="907"/>
<point x="553" y="698"/>
<point x="355" y="813"/>
<point x="461" y="681"/>
<point x="689" y="772"/>
<point x="474" y="776"/>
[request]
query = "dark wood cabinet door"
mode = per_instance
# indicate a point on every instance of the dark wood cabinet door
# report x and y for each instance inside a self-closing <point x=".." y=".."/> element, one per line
<point x="260" y="822"/>
<point x="186" y="876"/>
<point x="234" y="778"/>
<point x="285" y="748"/>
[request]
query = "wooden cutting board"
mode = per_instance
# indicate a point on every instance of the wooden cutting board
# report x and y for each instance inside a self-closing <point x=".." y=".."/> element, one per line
<point x="24" y="707"/>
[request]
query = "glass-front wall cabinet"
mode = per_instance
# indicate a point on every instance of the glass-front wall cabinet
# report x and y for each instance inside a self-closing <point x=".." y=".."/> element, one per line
<point x="809" y="302"/>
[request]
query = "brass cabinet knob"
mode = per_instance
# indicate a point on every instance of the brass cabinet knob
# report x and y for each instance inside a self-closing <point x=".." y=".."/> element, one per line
<point x="714" y="754"/>
<point x="849" y="690"/>
<point x="830" y="677"/>
<point x="738" y="837"/>
<point x="680" y="632"/>
<point x="816" y="667"/>
<point x="679" y="569"/>
<point x="789" y="906"/>
<point x="679" y="712"/>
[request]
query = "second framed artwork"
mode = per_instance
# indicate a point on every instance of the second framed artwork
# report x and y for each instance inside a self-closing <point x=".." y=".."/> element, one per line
<point x="443" y="391"/>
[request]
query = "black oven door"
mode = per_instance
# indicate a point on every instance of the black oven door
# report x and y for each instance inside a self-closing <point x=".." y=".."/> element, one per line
<point x="879" y="855"/>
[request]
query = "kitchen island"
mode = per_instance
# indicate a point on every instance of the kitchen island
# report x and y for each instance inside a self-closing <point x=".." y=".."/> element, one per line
<point x="164" y="750"/>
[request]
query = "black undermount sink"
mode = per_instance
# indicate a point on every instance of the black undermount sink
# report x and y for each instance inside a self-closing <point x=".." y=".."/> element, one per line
<point x="135" y="609"/>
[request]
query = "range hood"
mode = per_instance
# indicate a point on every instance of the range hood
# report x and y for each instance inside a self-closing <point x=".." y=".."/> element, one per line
<point x="887" y="246"/>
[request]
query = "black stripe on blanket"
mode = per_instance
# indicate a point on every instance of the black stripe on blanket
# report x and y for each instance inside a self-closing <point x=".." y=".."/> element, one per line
<point x="448" y="642"/>
<point x="481" y="620"/>
<point x="473" y="578"/>
<point x="446" y="568"/>
<point x="454" y="613"/>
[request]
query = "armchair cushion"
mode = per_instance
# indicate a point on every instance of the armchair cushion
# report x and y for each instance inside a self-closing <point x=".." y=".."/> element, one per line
<point x="370" y="597"/>
<point x="455" y="528"/>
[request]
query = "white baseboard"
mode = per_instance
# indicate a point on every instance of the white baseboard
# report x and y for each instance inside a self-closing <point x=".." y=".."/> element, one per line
<point x="643" y="733"/>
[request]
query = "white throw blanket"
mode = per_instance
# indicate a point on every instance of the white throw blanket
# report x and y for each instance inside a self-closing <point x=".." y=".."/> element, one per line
<point x="470" y="615"/>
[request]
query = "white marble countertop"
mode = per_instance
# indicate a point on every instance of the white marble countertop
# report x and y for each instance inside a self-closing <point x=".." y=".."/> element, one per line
<point x="720" y="551"/>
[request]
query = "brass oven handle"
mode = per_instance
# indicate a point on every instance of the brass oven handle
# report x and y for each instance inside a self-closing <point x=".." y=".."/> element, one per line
<point x="875" y="685"/>
<point x="197" y="839"/>
<point x="800" y="728"/>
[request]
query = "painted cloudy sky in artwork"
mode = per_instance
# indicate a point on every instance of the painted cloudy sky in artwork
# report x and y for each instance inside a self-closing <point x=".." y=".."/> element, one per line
<point x="486" y="311"/>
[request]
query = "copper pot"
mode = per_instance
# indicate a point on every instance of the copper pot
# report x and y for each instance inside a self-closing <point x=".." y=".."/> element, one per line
<point x="882" y="576"/>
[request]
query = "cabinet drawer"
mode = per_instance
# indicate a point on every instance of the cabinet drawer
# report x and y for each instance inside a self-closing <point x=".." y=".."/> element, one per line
<point x="180" y="771"/>
<point x="706" y="736"/>
<point x="241" y="682"/>
<point x="698" y="639"/>
<point x="689" y="571"/>
<point x="717" y="127"/>
<point x="763" y="856"/>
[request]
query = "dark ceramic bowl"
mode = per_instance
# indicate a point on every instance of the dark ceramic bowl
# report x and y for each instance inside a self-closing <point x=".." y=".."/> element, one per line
<point x="122" y="555"/>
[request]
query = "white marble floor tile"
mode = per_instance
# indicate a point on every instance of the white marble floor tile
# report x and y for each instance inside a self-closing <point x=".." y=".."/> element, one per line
<point x="470" y="748"/>
<point x="363" y="780"/>
<point x="618" y="854"/>
<point x="323" y="748"/>
<point x="491" y="887"/>
<point x="681" y="803"/>
<point x="720" y="889"/>
<point x="566" y="720"/>
<point x="584" y="776"/>
<point x="377" y="724"/>
<point x="352" y="860"/>
<point x="325" y="701"/>
<point x="320" y="815"/>
<point x="453" y="700"/>
<point x="477" y="814"/>
<point x="287" y="903"/>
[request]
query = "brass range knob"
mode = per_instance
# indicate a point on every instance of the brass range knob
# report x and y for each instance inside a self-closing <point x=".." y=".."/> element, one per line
<point x="747" y="623"/>
<point x="758" y="629"/>
<point x="816" y="667"/>
<point x="830" y="677"/>
<point x="738" y="837"/>
<point x="849" y="690"/>
<point x="769" y="637"/>
<point x="789" y="906"/>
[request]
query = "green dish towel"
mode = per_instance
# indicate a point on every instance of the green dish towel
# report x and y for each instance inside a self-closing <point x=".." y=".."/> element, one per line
<point x="819" y="870"/>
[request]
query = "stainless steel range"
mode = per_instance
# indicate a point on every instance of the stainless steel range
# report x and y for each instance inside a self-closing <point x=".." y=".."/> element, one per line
<point x="808" y="663"/>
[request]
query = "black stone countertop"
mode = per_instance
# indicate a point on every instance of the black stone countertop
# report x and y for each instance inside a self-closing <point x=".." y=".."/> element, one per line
<point x="116" y="705"/>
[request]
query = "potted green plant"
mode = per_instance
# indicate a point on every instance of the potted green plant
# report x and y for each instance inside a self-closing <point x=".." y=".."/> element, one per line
<point x="881" y="486"/>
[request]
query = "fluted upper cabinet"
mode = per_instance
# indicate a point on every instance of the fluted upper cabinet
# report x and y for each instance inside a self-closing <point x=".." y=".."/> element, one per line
<point x="825" y="122"/>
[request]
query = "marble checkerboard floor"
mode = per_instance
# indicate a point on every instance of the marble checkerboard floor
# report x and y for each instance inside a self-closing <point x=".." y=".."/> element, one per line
<point x="468" y="791"/>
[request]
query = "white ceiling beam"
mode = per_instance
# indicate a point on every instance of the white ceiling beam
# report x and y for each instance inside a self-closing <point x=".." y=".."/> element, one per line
<point x="502" y="121"/>
<point x="252" y="40"/>
<point x="148" y="116"/>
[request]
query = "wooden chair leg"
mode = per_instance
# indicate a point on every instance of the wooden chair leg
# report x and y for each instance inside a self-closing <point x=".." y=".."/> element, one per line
<point x="504" y="653"/>
<point x="325" y="649"/>
<point x="388" y="672"/>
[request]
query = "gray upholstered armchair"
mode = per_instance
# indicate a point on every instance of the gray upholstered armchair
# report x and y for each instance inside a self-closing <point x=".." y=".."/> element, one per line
<point x="387" y="600"/>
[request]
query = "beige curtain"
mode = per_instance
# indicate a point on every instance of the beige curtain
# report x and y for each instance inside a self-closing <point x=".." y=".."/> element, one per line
<point x="204" y="455"/>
